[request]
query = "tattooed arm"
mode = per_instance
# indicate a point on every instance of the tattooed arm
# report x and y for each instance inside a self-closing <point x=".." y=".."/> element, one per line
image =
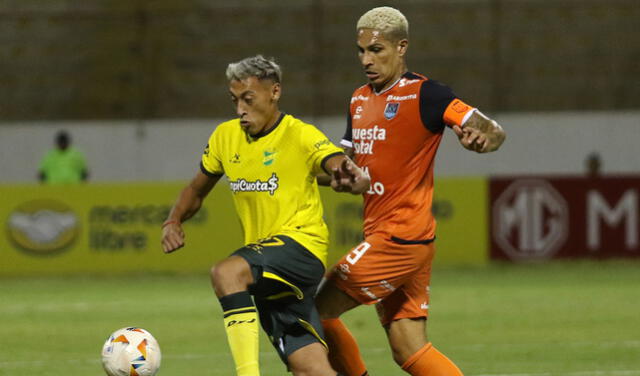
<point x="480" y="134"/>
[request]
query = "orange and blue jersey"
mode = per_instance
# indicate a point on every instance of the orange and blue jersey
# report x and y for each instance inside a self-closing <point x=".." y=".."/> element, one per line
<point x="395" y="135"/>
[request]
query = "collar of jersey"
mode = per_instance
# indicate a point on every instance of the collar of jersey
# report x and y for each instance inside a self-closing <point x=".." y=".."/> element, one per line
<point x="392" y="86"/>
<point x="262" y="134"/>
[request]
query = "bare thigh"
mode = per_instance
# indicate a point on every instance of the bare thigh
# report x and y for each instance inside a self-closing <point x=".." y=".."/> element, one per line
<point x="332" y="302"/>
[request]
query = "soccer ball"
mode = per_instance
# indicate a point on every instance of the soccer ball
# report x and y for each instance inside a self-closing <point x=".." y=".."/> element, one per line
<point x="131" y="352"/>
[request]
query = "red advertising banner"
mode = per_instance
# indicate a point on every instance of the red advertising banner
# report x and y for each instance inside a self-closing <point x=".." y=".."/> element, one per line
<point x="539" y="218"/>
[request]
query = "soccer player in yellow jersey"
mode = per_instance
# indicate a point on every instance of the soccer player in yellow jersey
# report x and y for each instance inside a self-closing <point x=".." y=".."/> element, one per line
<point x="271" y="161"/>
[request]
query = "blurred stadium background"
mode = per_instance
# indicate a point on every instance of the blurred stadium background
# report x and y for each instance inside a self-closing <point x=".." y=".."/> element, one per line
<point x="538" y="271"/>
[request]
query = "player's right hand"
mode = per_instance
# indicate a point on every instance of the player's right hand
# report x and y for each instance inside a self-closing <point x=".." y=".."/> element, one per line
<point x="172" y="237"/>
<point x="471" y="139"/>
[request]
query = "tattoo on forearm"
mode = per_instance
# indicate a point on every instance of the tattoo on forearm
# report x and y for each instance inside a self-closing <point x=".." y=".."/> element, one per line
<point x="489" y="128"/>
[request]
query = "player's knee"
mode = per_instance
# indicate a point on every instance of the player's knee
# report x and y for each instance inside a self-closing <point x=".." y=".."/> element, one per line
<point x="214" y="274"/>
<point x="229" y="275"/>
<point x="220" y="273"/>
<point x="402" y="352"/>
<point x="398" y="357"/>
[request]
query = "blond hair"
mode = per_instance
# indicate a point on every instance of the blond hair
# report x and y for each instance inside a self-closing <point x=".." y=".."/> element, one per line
<point x="390" y="21"/>
<point x="256" y="66"/>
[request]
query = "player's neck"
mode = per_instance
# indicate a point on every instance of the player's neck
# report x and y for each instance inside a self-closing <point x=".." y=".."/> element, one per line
<point x="391" y="82"/>
<point x="272" y="121"/>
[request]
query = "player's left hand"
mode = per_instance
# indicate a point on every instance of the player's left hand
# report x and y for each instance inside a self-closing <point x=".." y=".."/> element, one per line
<point x="342" y="177"/>
<point x="471" y="139"/>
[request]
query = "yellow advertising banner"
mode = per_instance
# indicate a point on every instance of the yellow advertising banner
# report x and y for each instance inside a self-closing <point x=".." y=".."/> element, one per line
<point x="108" y="229"/>
<point x="115" y="228"/>
<point x="461" y="207"/>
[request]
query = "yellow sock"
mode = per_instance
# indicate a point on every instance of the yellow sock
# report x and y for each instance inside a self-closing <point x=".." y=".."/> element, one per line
<point x="241" y="325"/>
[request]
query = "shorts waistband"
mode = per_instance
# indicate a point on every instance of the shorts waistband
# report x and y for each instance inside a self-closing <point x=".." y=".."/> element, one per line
<point x="398" y="240"/>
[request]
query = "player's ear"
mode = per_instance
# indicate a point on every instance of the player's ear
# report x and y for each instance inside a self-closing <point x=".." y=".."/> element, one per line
<point x="276" y="91"/>
<point x="403" y="44"/>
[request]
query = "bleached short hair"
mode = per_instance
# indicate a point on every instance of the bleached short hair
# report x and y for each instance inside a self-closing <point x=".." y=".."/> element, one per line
<point x="390" y="21"/>
<point x="255" y="66"/>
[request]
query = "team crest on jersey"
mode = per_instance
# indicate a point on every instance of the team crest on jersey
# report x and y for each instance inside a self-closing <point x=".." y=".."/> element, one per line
<point x="391" y="109"/>
<point x="269" y="156"/>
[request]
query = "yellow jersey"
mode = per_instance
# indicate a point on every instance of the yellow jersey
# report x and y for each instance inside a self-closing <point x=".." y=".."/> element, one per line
<point x="273" y="179"/>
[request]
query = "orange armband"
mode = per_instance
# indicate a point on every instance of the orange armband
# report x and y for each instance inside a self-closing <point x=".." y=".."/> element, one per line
<point x="457" y="112"/>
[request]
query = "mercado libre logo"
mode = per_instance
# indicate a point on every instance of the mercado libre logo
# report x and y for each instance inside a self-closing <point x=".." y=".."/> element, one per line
<point x="43" y="227"/>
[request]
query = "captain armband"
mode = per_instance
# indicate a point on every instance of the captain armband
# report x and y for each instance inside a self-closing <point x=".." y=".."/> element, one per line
<point x="457" y="113"/>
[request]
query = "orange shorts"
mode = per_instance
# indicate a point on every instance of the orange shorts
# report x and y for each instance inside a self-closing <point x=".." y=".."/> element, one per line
<point x="393" y="276"/>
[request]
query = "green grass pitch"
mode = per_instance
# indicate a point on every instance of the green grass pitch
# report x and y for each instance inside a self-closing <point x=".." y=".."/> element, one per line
<point x="560" y="318"/>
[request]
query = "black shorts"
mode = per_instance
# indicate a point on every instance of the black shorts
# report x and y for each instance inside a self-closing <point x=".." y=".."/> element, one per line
<point x="286" y="277"/>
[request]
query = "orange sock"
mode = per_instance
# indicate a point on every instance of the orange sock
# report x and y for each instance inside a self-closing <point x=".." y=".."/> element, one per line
<point x="344" y="353"/>
<point x="430" y="362"/>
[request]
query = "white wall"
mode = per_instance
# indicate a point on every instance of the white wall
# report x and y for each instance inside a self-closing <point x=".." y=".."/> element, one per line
<point x="552" y="143"/>
<point x="168" y="150"/>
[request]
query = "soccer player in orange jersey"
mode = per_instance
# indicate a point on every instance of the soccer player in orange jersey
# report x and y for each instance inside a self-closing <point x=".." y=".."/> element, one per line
<point x="395" y="125"/>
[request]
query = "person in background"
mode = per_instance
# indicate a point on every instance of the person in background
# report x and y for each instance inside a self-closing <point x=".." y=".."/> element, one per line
<point x="594" y="165"/>
<point x="63" y="164"/>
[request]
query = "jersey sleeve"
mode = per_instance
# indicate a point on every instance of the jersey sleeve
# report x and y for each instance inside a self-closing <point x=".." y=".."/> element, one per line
<point x="347" y="139"/>
<point x="318" y="147"/>
<point x="211" y="163"/>
<point x="439" y="106"/>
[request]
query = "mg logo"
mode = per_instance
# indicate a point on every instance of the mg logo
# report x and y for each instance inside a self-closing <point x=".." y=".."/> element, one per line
<point x="530" y="220"/>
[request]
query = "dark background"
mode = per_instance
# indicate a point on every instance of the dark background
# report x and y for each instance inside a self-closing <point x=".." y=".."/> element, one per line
<point x="122" y="59"/>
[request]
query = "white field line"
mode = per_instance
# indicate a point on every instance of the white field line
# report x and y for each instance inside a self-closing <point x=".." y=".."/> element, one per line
<point x="13" y="309"/>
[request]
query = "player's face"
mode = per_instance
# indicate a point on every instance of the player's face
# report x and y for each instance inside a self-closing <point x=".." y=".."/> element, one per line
<point x="255" y="102"/>
<point x="381" y="58"/>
